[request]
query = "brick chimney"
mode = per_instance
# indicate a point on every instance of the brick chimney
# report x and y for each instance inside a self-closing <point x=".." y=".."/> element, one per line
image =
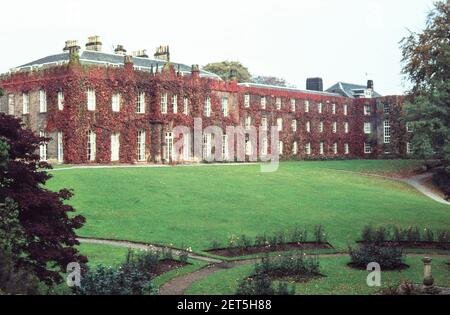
<point x="162" y="53"/>
<point x="94" y="43"/>
<point x="120" y="50"/>
<point x="314" y="84"/>
<point x="370" y="84"/>
<point x="71" y="46"/>
<point x="195" y="71"/>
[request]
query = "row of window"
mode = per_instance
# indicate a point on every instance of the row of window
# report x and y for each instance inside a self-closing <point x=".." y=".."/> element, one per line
<point x="169" y="149"/>
<point x="293" y="105"/>
<point x="367" y="109"/>
<point x="248" y="124"/>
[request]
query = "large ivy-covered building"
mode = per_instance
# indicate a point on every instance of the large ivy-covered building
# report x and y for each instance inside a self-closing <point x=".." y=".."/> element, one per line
<point x="98" y="107"/>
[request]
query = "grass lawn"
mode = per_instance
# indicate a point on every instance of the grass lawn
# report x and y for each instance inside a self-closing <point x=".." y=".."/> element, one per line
<point x="340" y="279"/>
<point x="191" y="206"/>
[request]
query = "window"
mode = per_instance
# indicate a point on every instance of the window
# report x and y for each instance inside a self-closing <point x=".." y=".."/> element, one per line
<point x="409" y="127"/>
<point x="91" y="99"/>
<point x="294" y="125"/>
<point x="386" y="108"/>
<point x="116" y="102"/>
<point x="185" y="105"/>
<point x="248" y="147"/>
<point x="367" y="148"/>
<point x="335" y="148"/>
<point x="278" y="103"/>
<point x="140" y="108"/>
<point x="321" y="126"/>
<point x="367" y="110"/>
<point x="186" y="146"/>
<point x="247" y="100"/>
<point x="42" y="101"/>
<point x="294" y="148"/>
<point x="26" y="103"/>
<point x="225" y="106"/>
<point x="248" y="122"/>
<point x="168" y="152"/>
<point x="206" y="146"/>
<point x="60" y="100"/>
<point x="333" y="108"/>
<point x="308" y="148"/>
<point x="292" y="105"/>
<point x="319" y="108"/>
<point x="280" y="124"/>
<point x="387" y="131"/>
<point x="141" y="145"/>
<point x="224" y="147"/>
<point x="280" y="147"/>
<point x="264" y="146"/>
<point x="306" y="106"/>
<point x="334" y="127"/>
<point x="91" y="146"/>
<point x="367" y="127"/>
<point x="174" y="104"/>
<point x="345" y="109"/>
<point x="11" y="104"/>
<point x="264" y="123"/>
<point x="346" y="148"/>
<point x="308" y="126"/>
<point x="60" y="147"/>
<point x="346" y="127"/>
<point x="115" y="146"/>
<point x="207" y="107"/>
<point x="408" y="148"/>
<point x="321" y="148"/>
<point x="164" y="103"/>
<point x="263" y="102"/>
<point x="43" y="147"/>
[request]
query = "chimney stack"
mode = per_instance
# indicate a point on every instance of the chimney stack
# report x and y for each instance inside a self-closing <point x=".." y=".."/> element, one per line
<point x="140" y="53"/>
<point x="370" y="84"/>
<point x="195" y="71"/>
<point x="232" y="75"/>
<point x="120" y="50"/>
<point x="162" y="53"/>
<point x="314" y="84"/>
<point x="71" y="46"/>
<point x="94" y="43"/>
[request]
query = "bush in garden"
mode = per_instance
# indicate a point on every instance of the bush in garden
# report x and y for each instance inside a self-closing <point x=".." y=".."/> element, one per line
<point x="428" y="235"/>
<point x="398" y="234"/>
<point x="381" y="235"/>
<point x="388" y="257"/>
<point x="298" y="267"/>
<point x="367" y="234"/>
<point x="413" y="234"/>
<point x="443" y="236"/>
<point x="261" y="284"/>
<point x="215" y="244"/>
<point x="183" y="257"/>
<point x="319" y="234"/>
<point x="261" y="240"/>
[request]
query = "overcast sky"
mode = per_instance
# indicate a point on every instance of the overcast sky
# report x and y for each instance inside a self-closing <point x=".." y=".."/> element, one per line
<point x="338" y="40"/>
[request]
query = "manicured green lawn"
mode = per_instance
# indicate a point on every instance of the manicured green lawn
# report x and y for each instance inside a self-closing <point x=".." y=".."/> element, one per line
<point x="191" y="206"/>
<point x="99" y="254"/>
<point x="340" y="279"/>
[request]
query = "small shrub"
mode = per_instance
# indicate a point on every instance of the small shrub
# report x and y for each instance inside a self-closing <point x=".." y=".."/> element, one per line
<point x="443" y="236"/>
<point x="319" y="234"/>
<point x="413" y="234"/>
<point x="167" y="253"/>
<point x="428" y="235"/>
<point x="398" y="234"/>
<point x="284" y="289"/>
<point x="281" y="237"/>
<point x="215" y="244"/>
<point x="243" y="242"/>
<point x="183" y="257"/>
<point x="258" y="285"/>
<point x="381" y="235"/>
<point x="367" y="234"/>
<point x="388" y="257"/>
<point x="261" y="240"/>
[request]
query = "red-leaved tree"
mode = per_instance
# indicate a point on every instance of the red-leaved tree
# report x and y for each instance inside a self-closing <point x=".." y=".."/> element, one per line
<point x="50" y="240"/>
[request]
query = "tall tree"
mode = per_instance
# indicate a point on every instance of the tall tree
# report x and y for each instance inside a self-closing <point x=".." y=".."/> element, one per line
<point x="224" y="68"/>
<point x="48" y="232"/>
<point x="426" y="59"/>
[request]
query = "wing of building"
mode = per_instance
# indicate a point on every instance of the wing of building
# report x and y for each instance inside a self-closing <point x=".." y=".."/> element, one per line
<point x="100" y="107"/>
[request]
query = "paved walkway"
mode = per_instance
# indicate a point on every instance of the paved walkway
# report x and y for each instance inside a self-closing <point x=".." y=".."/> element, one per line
<point x="416" y="182"/>
<point x="145" y="246"/>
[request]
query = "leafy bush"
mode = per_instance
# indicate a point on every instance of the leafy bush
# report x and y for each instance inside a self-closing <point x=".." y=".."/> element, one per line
<point x="133" y="277"/>
<point x="443" y="236"/>
<point x="397" y="234"/>
<point x="367" y="234"/>
<point x="319" y="234"/>
<point x="388" y="257"/>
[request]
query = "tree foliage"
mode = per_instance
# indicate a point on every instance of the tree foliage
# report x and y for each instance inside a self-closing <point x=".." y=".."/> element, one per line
<point x="48" y="231"/>
<point x="270" y="80"/>
<point x="426" y="59"/>
<point x="224" y="68"/>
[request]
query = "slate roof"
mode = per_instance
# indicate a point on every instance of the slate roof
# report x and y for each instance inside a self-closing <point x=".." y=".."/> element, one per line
<point x="347" y="89"/>
<point x="94" y="57"/>
<point x="275" y="87"/>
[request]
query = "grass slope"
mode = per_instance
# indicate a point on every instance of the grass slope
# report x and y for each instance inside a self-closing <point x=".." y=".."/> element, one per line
<point x="191" y="206"/>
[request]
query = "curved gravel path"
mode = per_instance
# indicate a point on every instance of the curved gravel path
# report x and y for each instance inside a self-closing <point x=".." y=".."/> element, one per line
<point x="416" y="182"/>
